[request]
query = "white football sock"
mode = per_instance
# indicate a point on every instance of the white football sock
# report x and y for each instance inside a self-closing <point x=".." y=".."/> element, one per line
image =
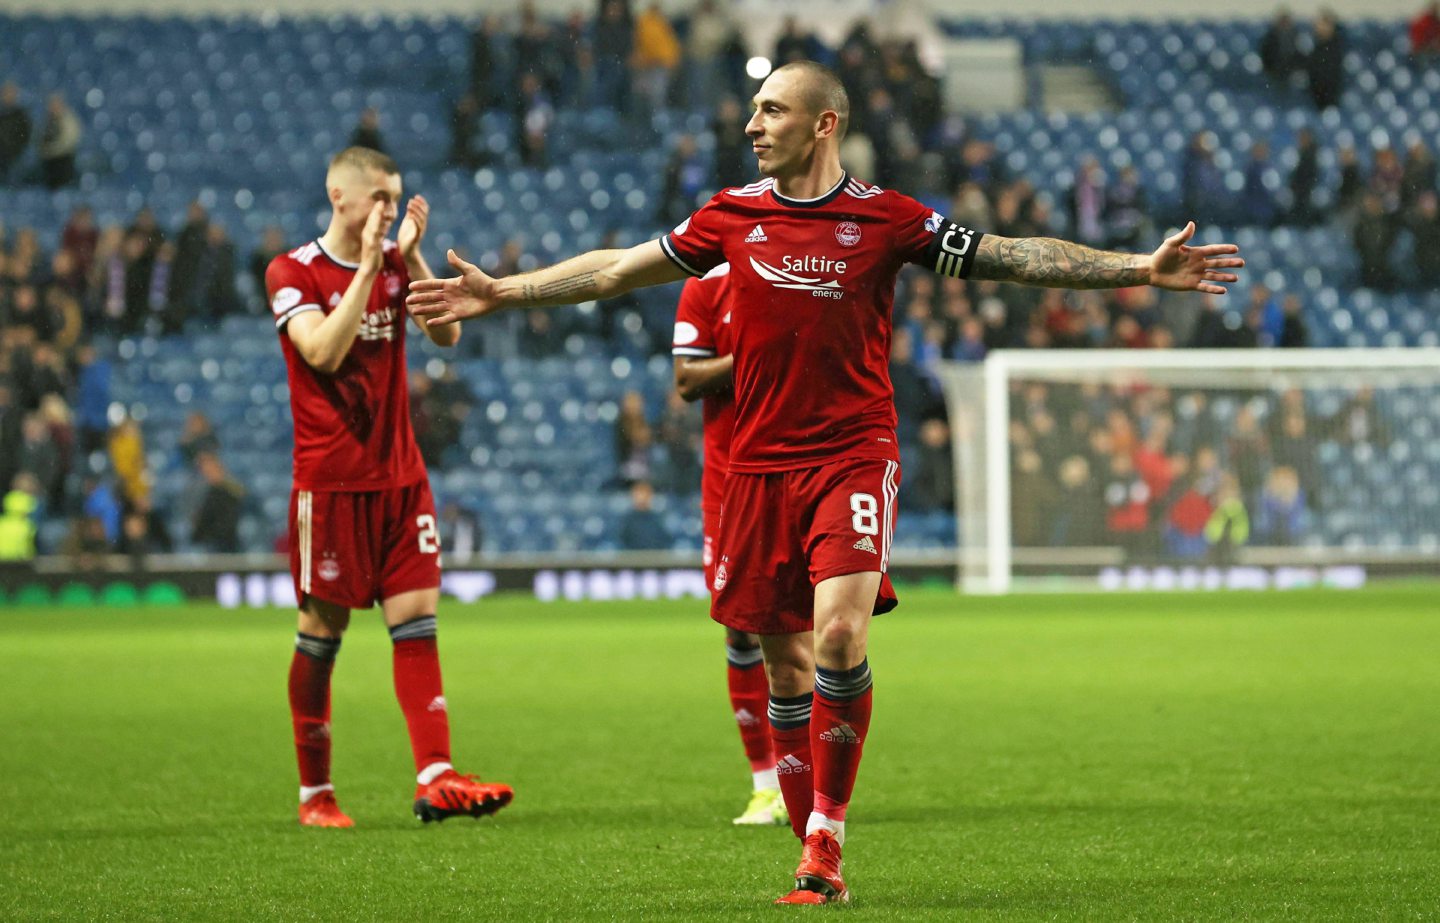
<point x="818" y="821"/>
<point x="432" y="772"/>
<point x="310" y="791"/>
<point x="767" y="780"/>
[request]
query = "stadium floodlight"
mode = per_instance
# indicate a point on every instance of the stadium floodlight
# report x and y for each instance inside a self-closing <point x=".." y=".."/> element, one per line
<point x="1176" y="468"/>
<point x="758" y="68"/>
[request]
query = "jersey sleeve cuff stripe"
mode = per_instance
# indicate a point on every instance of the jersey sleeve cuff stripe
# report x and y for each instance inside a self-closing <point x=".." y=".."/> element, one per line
<point x="285" y="318"/>
<point x="669" y="250"/>
<point x="692" y="351"/>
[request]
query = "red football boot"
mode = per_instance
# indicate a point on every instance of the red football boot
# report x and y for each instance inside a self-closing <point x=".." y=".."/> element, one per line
<point x="817" y="880"/>
<point x="452" y="794"/>
<point x="322" y="811"/>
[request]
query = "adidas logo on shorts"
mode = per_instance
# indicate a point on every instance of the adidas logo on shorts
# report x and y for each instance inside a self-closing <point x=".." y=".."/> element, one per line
<point x="865" y="545"/>
<point x="841" y="734"/>
<point x="789" y="765"/>
<point x="757" y="236"/>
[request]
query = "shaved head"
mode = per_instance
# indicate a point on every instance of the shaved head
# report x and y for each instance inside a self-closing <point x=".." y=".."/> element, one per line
<point x="363" y="159"/>
<point x="821" y="90"/>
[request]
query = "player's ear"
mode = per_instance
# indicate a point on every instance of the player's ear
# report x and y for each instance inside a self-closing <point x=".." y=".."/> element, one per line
<point x="826" y="125"/>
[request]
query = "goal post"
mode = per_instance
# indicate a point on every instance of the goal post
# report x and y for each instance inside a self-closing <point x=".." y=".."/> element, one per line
<point x="1165" y="468"/>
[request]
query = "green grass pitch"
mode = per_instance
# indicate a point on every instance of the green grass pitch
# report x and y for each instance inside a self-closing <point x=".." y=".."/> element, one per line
<point x="1137" y="757"/>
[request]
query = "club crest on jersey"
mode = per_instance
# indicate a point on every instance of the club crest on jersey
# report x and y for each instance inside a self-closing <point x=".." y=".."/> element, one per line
<point x="848" y="233"/>
<point x="392" y="285"/>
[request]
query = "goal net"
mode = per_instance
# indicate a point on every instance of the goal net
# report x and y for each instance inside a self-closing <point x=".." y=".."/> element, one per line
<point x="1150" y="469"/>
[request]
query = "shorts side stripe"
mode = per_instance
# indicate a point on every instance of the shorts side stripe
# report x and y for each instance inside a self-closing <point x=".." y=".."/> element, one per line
<point x="889" y="489"/>
<point x="303" y="512"/>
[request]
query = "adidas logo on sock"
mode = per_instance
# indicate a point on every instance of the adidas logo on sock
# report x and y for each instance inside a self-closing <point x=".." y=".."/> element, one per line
<point x="436" y="704"/>
<point x="745" y="719"/>
<point x="789" y="765"/>
<point x="841" y="734"/>
<point x="865" y="545"/>
<point x="757" y="236"/>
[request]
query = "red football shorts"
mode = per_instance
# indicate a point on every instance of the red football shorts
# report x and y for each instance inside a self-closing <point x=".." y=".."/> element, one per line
<point x="782" y="533"/>
<point x="710" y="533"/>
<point x="353" y="549"/>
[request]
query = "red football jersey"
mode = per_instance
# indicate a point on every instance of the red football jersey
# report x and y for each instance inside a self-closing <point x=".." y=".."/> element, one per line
<point x="812" y="284"/>
<point x="702" y="329"/>
<point x="352" y="429"/>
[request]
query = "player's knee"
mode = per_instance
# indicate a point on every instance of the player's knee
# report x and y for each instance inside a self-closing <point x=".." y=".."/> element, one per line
<point x="839" y="637"/>
<point x="741" y="640"/>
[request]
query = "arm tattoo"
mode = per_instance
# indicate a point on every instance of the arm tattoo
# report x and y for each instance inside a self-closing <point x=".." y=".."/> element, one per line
<point x="580" y="282"/>
<point x="1057" y="264"/>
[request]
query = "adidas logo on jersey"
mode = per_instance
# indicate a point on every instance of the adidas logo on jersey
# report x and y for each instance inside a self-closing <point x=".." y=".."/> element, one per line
<point x="865" y="545"/>
<point x="789" y="765"/>
<point x="841" y="734"/>
<point x="757" y="236"/>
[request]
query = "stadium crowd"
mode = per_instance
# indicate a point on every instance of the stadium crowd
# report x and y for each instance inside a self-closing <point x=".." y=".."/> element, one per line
<point x="66" y="451"/>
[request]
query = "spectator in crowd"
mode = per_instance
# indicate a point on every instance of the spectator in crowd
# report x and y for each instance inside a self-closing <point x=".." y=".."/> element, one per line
<point x="272" y="244"/>
<point x="1352" y="184"/>
<point x="1387" y="179"/>
<point x="654" y="57"/>
<point x="1203" y="185"/>
<point x="709" y="32"/>
<point x="40" y="456"/>
<point x="183" y="290"/>
<point x="1374" y="238"/>
<point x="682" y="437"/>
<point x="634" y="440"/>
<point x="217" y="521"/>
<point x="1127" y="218"/>
<point x="1229" y="526"/>
<point x="93" y="399"/>
<point x="1034" y="501"/>
<point x="1418" y="176"/>
<point x="59" y="140"/>
<point x="460" y="533"/>
<point x="685" y="180"/>
<point x="614" y="40"/>
<point x="11" y="429"/>
<point x="1293" y="448"/>
<point x="1087" y="204"/>
<point x="1303" y="180"/>
<point x="197" y="438"/>
<point x="1293" y="332"/>
<point x="102" y="513"/>
<point x="489" y="64"/>
<point x="1258" y="203"/>
<point x="1425" y="226"/>
<point x="1185" y="521"/>
<point x="127" y="460"/>
<point x="464" y="124"/>
<point x="367" y="130"/>
<point x="1280" y="54"/>
<point x="80" y="237"/>
<point x="932" y="487"/>
<point x="641" y="528"/>
<point x="541" y="335"/>
<point x="1325" y="64"/>
<point x="15" y="128"/>
<point x="1127" y="501"/>
<point x="1270" y="319"/>
<point x="143" y="532"/>
<point x="218" y="296"/>
<point x="534" y="114"/>
<point x="734" y="162"/>
<point x="19" y="515"/>
<point x="1078" y="513"/>
<point x="793" y="43"/>
<point x="537" y="51"/>
<point x="1425" y="32"/>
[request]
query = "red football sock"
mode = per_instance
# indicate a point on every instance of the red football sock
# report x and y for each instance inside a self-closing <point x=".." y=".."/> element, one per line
<point x="749" y="698"/>
<point x="418" y="687"/>
<point x="310" y="670"/>
<point x="839" y="721"/>
<point x="790" y="731"/>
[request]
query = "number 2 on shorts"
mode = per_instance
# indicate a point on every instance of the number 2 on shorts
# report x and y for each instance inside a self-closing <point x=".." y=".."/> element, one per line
<point x="865" y="521"/>
<point x="428" y="537"/>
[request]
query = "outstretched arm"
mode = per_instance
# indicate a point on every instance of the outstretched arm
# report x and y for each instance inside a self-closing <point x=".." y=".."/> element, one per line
<point x="1062" y="264"/>
<point x="591" y="276"/>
